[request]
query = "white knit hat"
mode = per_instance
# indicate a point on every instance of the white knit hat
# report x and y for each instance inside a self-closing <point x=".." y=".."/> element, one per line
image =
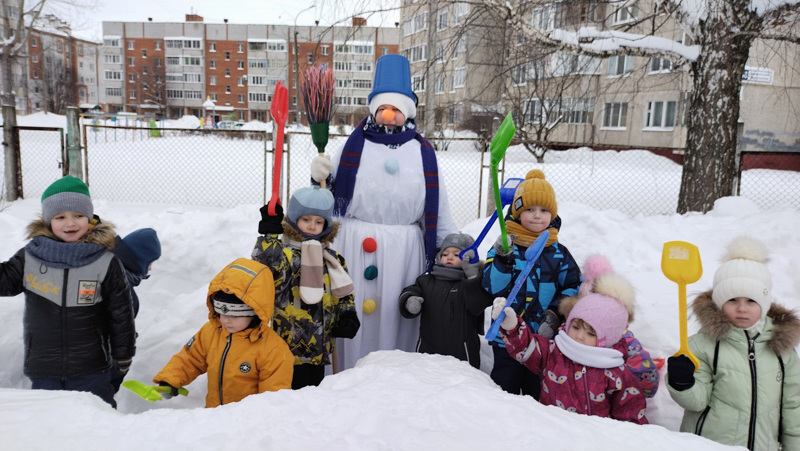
<point x="744" y="273"/>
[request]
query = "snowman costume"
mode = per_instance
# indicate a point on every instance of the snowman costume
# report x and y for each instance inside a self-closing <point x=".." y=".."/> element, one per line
<point x="388" y="189"/>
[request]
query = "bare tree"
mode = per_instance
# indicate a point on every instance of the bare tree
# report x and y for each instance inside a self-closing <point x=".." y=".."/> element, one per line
<point x="14" y="40"/>
<point x="152" y="86"/>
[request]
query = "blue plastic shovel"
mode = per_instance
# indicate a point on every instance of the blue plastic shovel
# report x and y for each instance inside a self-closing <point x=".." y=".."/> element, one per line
<point x="506" y="197"/>
<point x="531" y="256"/>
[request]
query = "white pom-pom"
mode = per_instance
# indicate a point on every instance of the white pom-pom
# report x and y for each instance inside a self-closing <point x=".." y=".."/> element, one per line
<point x="618" y="287"/>
<point x="744" y="247"/>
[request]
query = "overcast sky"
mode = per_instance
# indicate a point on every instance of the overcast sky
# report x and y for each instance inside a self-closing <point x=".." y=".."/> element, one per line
<point x="87" y="22"/>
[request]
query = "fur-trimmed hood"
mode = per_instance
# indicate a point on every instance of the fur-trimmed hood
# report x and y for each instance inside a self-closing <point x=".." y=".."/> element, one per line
<point x="293" y="234"/>
<point x="99" y="232"/>
<point x="785" y="323"/>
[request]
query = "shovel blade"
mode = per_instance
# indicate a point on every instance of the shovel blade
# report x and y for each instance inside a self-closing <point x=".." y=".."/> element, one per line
<point x="501" y="140"/>
<point x="279" y="109"/>
<point x="680" y="262"/>
<point x="147" y="392"/>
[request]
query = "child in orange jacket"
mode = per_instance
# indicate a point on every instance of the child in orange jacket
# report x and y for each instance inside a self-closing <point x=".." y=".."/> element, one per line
<point x="237" y="339"/>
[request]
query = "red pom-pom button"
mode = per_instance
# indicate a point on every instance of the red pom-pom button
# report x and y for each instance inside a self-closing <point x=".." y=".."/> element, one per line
<point x="369" y="245"/>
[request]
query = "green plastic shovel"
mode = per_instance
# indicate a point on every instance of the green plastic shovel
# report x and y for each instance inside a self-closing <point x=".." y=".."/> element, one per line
<point x="150" y="392"/>
<point x="680" y="262"/>
<point x="497" y="150"/>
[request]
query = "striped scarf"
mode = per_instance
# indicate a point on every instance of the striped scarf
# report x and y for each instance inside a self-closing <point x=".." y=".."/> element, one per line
<point x="348" y="169"/>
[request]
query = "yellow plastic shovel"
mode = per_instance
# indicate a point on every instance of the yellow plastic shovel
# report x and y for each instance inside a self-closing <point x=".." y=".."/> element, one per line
<point x="680" y="262"/>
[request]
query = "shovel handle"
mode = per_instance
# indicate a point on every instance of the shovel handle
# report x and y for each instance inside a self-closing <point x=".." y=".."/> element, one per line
<point x="474" y="246"/>
<point x="499" y="207"/>
<point x="683" y="320"/>
<point x="276" y="169"/>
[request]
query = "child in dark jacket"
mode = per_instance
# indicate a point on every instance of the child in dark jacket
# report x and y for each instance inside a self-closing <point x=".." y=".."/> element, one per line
<point x="582" y="370"/>
<point x="554" y="276"/>
<point x="137" y="251"/>
<point x="450" y="302"/>
<point x="314" y="293"/>
<point x="78" y="311"/>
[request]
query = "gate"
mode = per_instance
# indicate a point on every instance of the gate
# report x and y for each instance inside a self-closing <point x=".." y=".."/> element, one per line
<point x="42" y="158"/>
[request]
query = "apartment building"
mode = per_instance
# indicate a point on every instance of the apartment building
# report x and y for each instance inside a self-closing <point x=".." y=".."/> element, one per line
<point x="171" y="69"/>
<point x="54" y="69"/>
<point x="482" y="71"/>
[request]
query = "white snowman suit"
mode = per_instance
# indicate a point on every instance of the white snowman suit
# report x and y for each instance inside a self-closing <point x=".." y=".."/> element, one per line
<point x="387" y="205"/>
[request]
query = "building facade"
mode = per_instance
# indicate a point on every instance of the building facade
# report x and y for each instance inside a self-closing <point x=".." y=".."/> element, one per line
<point x="171" y="69"/>
<point x="481" y="71"/>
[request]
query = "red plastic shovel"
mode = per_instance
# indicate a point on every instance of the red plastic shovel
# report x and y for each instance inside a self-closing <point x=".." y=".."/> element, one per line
<point x="279" y="110"/>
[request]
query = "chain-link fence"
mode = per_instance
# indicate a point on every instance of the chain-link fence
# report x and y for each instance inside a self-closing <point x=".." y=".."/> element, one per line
<point x="41" y="158"/>
<point x="770" y="178"/>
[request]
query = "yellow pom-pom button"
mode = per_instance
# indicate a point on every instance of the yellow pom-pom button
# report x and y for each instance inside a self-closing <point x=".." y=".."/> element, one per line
<point x="369" y="306"/>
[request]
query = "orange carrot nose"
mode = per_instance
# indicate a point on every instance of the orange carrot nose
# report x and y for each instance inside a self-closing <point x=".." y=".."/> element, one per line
<point x="387" y="115"/>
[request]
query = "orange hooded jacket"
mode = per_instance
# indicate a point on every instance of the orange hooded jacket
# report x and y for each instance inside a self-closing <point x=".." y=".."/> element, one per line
<point x="251" y="361"/>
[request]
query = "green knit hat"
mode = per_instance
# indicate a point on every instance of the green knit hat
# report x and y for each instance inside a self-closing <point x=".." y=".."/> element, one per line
<point x="66" y="194"/>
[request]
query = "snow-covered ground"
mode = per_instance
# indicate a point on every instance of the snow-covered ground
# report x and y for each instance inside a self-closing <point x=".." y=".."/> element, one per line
<point x="390" y="400"/>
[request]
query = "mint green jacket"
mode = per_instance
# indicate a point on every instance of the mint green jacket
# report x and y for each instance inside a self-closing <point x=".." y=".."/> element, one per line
<point x="740" y="404"/>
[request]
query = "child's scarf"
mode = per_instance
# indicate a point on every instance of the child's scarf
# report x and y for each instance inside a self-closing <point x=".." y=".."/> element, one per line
<point x="312" y="259"/>
<point x="348" y="169"/>
<point x="525" y="237"/>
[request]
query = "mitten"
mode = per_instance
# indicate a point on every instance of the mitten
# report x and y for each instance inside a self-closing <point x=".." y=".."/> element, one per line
<point x="321" y="168"/>
<point x="680" y="372"/>
<point x="122" y="367"/>
<point x="347" y="325"/>
<point x="271" y="223"/>
<point x="172" y="392"/>
<point x="549" y="324"/>
<point x="414" y="304"/>
<point x="471" y="270"/>
<point x="505" y="257"/>
<point x="510" y="319"/>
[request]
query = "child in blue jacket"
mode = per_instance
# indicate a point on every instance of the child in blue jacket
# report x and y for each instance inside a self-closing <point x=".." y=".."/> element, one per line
<point x="555" y="275"/>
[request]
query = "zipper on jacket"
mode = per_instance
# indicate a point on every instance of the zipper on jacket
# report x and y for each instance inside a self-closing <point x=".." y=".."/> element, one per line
<point x="751" y="356"/>
<point x="222" y="366"/>
<point x="587" y="394"/>
<point x="64" y="325"/>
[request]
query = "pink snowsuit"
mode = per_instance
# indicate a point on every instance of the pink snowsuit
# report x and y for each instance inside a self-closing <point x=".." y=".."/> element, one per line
<point x="604" y="392"/>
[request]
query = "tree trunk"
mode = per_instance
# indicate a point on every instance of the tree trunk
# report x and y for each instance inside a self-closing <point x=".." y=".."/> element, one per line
<point x="6" y="78"/>
<point x="709" y="162"/>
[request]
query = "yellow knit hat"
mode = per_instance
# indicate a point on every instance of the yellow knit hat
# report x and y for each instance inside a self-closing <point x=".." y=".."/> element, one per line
<point x="534" y="190"/>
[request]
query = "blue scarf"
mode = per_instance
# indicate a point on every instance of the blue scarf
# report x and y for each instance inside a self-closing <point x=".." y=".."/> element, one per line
<point x="351" y="159"/>
<point x="58" y="254"/>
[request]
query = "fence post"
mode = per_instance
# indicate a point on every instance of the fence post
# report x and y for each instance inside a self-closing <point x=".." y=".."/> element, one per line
<point x="74" y="142"/>
<point x="11" y="151"/>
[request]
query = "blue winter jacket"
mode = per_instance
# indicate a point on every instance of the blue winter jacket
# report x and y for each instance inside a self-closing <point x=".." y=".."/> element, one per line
<point x="555" y="275"/>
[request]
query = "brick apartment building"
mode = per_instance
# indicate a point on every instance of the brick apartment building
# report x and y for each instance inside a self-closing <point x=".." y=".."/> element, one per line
<point x="171" y="69"/>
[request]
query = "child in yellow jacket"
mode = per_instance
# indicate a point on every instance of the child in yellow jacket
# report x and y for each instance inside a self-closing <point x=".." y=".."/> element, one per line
<point x="237" y="339"/>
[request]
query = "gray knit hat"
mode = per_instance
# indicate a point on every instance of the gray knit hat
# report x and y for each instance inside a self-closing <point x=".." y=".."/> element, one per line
<point x="459" y="241"/>
<point x="311" y="201"/>
<point x="66" y="194"/>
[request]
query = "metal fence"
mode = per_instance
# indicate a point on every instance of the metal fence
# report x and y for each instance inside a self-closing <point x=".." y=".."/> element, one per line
<point x="225" y="168"/>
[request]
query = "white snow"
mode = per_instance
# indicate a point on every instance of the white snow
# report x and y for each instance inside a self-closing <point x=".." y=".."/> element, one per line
<point x="390" y="400"/>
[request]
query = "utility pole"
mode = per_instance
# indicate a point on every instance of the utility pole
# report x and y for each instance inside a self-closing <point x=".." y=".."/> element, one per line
<point x="430" y="74"/>
<point x="296" y="80"/>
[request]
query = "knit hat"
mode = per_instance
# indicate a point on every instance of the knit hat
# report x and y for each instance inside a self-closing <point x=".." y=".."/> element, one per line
<point x="534" y="190"/>
<point x="68" y="193"/>
<point x="393" y="76"/>
<point x="228" y="304"/>
<point x="459" y="241"/>
<point x="599" y="277"/>
<point x="607" y="316"/>
<point x="744" y="273"/>
<point x="145" y="246"/>
<point x="311" y="201"/>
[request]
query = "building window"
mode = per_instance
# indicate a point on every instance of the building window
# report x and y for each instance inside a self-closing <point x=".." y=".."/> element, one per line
<point x="132" y="94"/>
<point x="384" y="51"/>
<point x="439" y="88"/>
<point x="257" y="96"/>
<point x="59" y="46"/>
<point x="130" y="45"/>
<point x="132" y="78"/>
<point x="173" y="61"/>
<point x="459" y="77"/>
<point x="227" y="56"/>
<point x="144" y="70"/>
<point x="227" y="89"/>
<point x="158" y="62"/>
<point x="577" y="110"/>
<point x="532" y="112"/>
<point x="212" y="46"/>
<point x="112" y="75"/>
<point x="158" y="45"/>
<point x="310" y="58"/>
<point x="227" y="72"/>
<point x="35" y="58"/>
<point x="131" y="61"/>
<point x="442" y="25"/>
<point x="144" y="53"/>
<point x="212" y="64"/>
<point x="620" y="65"/>
<point x="214" y="96"/>
<point x="240" y="81"/>
<point x="212" y="80"/>
<point x="660" y="115"/>
<point x="241" y="98"/>
<point x="324" y="50"/>
<point x="615" y="115"/>
<point x="240" y="48"/>
<point x="660" y="65"/>
<point x="114" y="92"/>
<point x="34" y="42"/>
<point x="626" y="14"/>
<point x="191" y="60"/>
<point x="240" y="65"/>
<point x="35" y="73"/>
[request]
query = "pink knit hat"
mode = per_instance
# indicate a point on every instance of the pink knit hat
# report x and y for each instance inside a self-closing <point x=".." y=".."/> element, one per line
<point x="607" y="316"/>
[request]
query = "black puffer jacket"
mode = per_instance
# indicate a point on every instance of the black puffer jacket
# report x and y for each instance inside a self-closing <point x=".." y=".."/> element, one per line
<point x="78" y="312"/>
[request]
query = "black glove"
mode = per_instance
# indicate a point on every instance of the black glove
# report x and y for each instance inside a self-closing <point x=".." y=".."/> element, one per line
<point x="172" y="392"/>
<point x="549" y="323"/>
<point x="271" y="223"/>
<point x="118" y="371"/>
<point x="123" y="366"/>
<point x="347" y="326"/>
<point x="680" y="372"/>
